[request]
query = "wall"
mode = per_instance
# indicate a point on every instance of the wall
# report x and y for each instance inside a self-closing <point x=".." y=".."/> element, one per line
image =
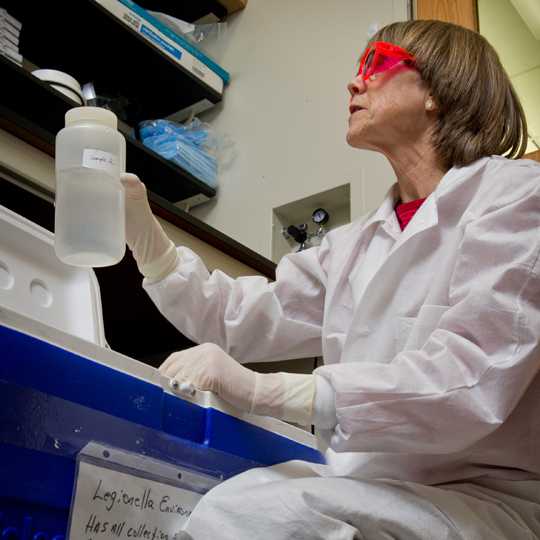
<point x="286" y="111"/>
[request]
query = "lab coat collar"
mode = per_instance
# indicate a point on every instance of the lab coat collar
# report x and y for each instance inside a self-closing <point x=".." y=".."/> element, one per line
<point x="424" y="218"/>
<point x="386" y="216"/>
<point x="428" y="211"/>
<point x="386" y="210"/>
<point x="456" y="176"/>
<point x="427" y="215"/>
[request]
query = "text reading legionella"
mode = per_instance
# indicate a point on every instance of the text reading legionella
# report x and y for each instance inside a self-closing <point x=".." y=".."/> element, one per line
<point x="110" y="504"/>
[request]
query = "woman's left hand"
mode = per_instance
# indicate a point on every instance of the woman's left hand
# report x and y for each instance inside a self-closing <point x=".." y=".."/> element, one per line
<point x="208" y="367"/>
<point x="288" y="396"/>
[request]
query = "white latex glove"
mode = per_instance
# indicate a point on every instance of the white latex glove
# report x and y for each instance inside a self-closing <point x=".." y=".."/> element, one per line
<point x="153" y="251"/>
<point x="207" y="367"/>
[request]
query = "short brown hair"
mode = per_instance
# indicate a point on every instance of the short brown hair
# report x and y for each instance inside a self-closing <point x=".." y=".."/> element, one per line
<point x="479" y="111"/>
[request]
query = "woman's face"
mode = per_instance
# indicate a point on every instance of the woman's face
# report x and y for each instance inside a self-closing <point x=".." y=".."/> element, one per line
<point x="388" y="111"/>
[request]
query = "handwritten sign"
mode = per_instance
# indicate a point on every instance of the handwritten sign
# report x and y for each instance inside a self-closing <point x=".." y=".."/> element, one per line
<point x="110" y="504"/>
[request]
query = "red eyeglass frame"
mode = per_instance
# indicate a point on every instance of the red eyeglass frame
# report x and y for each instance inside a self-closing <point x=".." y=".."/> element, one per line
<point x="382" y="48"/>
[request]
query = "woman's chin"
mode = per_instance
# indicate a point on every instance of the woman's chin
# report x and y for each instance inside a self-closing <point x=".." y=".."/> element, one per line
<point x="355" y="140"/>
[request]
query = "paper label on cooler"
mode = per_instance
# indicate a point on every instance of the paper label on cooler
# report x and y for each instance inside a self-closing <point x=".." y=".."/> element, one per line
<point x="98" y="159"/>
<point x="109" y="504"/>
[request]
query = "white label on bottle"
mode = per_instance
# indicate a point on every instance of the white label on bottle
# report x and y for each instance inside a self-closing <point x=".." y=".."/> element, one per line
<point x="98" y="159"/>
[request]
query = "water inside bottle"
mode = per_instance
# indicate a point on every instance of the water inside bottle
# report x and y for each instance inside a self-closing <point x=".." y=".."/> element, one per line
<point x="89" y="224"/>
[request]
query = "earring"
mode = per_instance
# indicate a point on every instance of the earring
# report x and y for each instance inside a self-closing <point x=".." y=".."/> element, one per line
<point x="372" y="77"/>
<point x="429" y="104"/>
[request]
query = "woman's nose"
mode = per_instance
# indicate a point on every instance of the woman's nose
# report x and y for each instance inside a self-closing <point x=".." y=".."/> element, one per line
<point x="356" y="86"/>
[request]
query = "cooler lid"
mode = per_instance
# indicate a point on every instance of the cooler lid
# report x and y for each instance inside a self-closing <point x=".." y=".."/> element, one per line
<point x="35" y="283"/>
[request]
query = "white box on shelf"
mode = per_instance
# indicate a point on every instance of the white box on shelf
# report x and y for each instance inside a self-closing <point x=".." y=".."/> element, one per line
<point x="8" y="41"/>
<point x="11" y="55"/>
<point x="6" y="17"/>
<point x="7" y="29"/>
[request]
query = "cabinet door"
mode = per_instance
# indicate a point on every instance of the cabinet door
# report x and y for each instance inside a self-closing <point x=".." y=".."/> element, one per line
<point x="462" y="12"/>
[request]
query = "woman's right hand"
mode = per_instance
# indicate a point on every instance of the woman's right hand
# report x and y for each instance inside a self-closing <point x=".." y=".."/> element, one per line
<point x="153" y="251"/>
<point x="139" y="217"/>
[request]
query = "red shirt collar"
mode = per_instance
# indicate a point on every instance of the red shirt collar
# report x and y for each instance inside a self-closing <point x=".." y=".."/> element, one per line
<point x="406" y="211"/>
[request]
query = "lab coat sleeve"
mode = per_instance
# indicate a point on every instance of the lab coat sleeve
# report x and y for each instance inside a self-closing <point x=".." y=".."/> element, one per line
<point x="249" y="317"/>
<point x="474" y="366"/>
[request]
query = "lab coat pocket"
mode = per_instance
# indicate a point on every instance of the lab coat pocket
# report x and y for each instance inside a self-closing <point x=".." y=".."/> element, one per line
<point x="413" y="332"/>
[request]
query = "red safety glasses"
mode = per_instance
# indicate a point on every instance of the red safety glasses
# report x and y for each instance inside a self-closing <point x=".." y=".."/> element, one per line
<point x="381" y="56"/>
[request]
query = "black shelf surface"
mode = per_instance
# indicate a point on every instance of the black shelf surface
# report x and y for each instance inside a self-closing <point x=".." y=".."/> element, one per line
<point x="34" y="111"/>
<point x="83" y="39"/>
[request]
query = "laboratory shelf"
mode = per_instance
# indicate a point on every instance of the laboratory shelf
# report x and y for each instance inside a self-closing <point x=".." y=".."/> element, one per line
<point x="92" y="45"/>
<point x="34" y="111"/>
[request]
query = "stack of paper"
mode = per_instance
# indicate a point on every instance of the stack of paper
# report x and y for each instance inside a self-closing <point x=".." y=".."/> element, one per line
<point x="10" y="30"/>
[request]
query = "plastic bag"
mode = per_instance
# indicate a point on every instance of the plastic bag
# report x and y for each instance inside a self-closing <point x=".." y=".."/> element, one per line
<point x="208" y="37"/>
<point x="194" y="146"/>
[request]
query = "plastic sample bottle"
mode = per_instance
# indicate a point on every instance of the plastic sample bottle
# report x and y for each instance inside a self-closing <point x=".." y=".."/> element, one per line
<point x="89" y="216"/>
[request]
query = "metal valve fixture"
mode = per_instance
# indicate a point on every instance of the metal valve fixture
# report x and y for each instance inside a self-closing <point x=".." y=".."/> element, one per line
<point x="300" y="233"/>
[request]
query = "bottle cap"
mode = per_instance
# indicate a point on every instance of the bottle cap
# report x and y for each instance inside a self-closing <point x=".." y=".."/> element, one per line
<point x="91" y="114"/>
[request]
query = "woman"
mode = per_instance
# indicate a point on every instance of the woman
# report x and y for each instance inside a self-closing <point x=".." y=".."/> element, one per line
<point x="426" y="313"/>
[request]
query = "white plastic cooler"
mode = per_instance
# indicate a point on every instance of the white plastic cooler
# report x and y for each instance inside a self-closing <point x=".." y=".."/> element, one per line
<point x="62" y="389"/>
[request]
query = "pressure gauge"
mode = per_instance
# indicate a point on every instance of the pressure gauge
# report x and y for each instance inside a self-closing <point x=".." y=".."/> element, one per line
<point x="320" y="216"/>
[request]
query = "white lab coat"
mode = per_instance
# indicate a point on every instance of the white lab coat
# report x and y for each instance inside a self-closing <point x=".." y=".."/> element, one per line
<point x="430" y="336"/>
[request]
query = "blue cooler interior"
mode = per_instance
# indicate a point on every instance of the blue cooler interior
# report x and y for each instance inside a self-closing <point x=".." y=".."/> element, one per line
<point x="61" y="390"/>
